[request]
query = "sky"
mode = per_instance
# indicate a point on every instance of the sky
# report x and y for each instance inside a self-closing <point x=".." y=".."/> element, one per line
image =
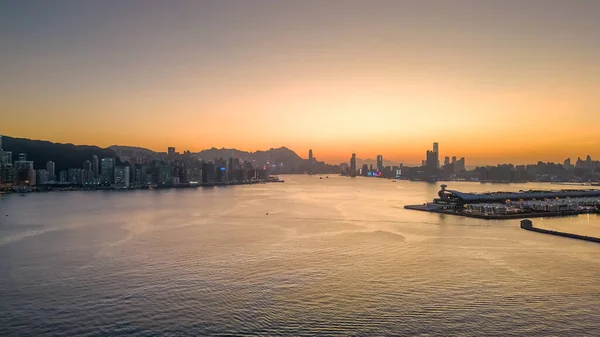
<point x="492" y="81"/>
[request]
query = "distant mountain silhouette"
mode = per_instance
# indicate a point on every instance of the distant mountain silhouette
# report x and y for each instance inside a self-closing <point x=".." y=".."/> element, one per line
<point x="281" y="155"/>
<point x="68" y="156"/>
<point x="64" y="156"/>
<point x="131" y="151"/>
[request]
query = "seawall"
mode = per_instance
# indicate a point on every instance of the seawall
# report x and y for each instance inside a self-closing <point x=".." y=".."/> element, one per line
<point x="528" y="225"/>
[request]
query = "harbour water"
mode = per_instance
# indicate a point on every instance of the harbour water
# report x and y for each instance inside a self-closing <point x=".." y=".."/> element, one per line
<point x="331" y="256"/>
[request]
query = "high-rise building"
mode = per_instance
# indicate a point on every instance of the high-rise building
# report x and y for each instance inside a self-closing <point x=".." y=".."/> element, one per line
<point x="436" y="150"/>
<point x="453" y="160"/>
<point x="567" y="163"/>
<point x="75" y="176"/>
<point x="87" y="165"/>
<point x="108" y="170"/>
<point x="126" y="179"/>
<point x="122" y="176"/>
<point x="62" y="176"/>
<point x="364" y="171"/>
<point x="310" y="155"/>
<point x="51" y="168"/>
<point x="31" y="177"/>
<point x="6" y="168"/>
<point x="446" y="161"/>
<point x="22" y="168"/>
<point x="6" y="157"/>
<point x="95" y="166"/>
<point x="170" y="150"/>
<point x="43" y="176"/>
<point x="460" y="165"/>
<point x="379" y="163"/>
<point x="353" y="165"/>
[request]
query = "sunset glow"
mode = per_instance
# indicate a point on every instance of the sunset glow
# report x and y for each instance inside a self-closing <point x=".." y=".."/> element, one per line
<point x="504" y="81"/>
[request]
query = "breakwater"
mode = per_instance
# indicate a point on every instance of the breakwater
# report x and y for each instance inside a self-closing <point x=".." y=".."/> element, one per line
<point x="528" y="225"/>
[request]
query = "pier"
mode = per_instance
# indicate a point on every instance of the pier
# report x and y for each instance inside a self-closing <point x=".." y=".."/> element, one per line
<point x="513" y="205"/>
<point x="528" y="225"/>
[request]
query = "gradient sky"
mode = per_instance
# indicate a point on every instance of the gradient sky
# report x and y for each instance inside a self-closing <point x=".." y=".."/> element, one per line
<point x="493" y="81"/>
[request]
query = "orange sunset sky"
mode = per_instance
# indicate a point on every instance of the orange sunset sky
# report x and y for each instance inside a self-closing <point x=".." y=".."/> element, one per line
<point x="493" y="81"/>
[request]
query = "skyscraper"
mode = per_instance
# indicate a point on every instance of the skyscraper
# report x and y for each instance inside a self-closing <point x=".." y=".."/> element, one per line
<point x="446" y="161"/>
<point x="310" y="155"/>
<point x="87" y="165"/>
<point x="379" y="163"/>
<point x="51" y="168"/>
<point x="108" y="170"/>
<point x="436" y="150"/>
<point x="353" y="165"/>
<point x="95" y="166"/>
<point x="170" y="151"/>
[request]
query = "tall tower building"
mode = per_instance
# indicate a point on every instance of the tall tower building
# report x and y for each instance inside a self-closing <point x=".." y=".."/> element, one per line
<point x="108" y="170"/>
<point x="95" y="166"/>
<point x="353" y="165"/>
<point x="446" y="161"/>
<point x="436" y="150"/>
<point x="51" y="168"/>
<point x="379" y="163"/>
<point x="310" y="155"/>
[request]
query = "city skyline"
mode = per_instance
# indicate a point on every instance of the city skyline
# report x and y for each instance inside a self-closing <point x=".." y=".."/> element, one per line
<point x="373" y="155"/>
<point x="497" y="82"/>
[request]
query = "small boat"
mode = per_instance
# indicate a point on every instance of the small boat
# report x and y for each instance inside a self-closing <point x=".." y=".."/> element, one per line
<point x="320" y="177"/>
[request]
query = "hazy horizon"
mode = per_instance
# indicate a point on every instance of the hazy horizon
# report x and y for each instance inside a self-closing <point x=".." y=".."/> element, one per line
<point x="491" y="81"/>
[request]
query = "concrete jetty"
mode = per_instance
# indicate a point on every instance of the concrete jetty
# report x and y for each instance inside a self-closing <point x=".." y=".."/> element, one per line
<point x="528" y="225"/>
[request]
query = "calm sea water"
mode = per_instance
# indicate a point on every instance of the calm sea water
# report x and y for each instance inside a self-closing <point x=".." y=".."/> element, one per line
<point x="335" y="256"/>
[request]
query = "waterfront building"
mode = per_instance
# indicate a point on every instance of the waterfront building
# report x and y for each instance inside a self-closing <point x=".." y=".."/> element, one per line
<point x="379" y="163"/>
<point x="436" y="150"/>
<point x="51" y="168"/>
<point x="108" y="170"/>
<point x="446" y="161"/>
<point x="171" y="151"/>
<point x="310" y="155"/>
